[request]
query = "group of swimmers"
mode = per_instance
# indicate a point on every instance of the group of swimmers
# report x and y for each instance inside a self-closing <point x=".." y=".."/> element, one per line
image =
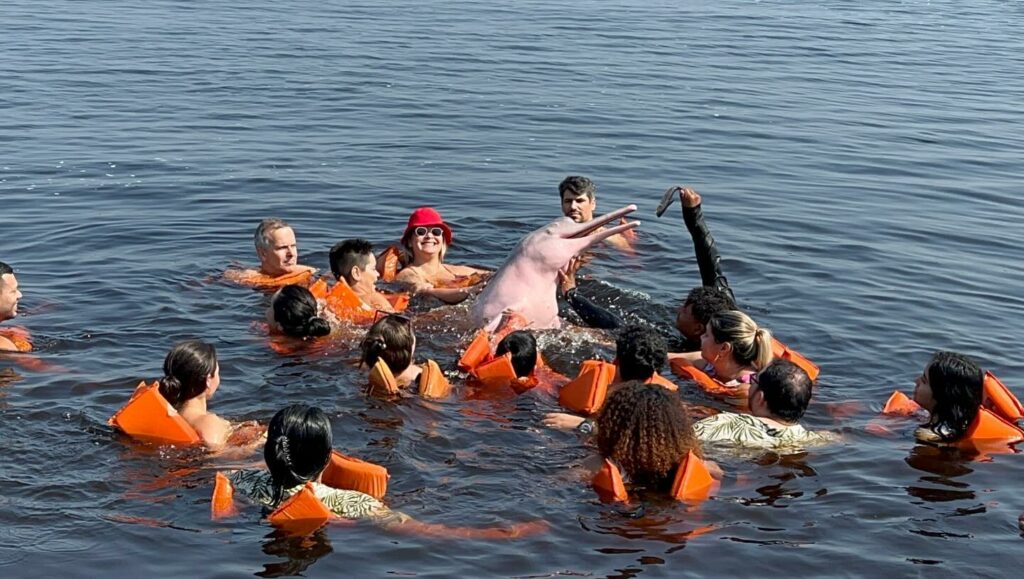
<point x="640" y="425"/>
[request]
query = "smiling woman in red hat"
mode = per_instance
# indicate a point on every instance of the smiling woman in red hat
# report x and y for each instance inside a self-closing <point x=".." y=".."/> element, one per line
<point x="426" y="239"/>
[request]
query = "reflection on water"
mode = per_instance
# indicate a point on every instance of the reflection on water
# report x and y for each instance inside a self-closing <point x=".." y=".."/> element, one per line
<point x="300" y="553"/>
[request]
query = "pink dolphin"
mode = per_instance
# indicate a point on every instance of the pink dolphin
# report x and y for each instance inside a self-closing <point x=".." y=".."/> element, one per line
<point x="528" y="280"/>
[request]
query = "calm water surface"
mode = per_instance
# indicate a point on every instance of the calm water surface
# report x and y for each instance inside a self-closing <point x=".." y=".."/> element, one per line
<point x="861" y="165"/>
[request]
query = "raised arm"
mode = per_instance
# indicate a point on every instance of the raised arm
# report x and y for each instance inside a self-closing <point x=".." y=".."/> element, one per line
<point x="704" y="248"/>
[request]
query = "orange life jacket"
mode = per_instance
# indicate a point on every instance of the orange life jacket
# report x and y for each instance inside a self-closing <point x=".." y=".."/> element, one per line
<point x="900" y="405"/>
<point x="1000" y="400"/>
<point x="432" y="383"/>
<point x="302" y="513"/>
<point x="347" y="305"/>
<point x="388" y="263"/>
<point x="707" y="383"/>
<point x="989" y="427"/>
<point x="18" y="336"/>
<point x="493" y="372"/>
<point x="349" y="473"/>
<point x="254" y="278"/>
<point x="780" y="350"/>
<point x="586" y="394"/>
<point x="692" y="481"/>
<point x="222" y="505"/>
<point x="149" y="417"/>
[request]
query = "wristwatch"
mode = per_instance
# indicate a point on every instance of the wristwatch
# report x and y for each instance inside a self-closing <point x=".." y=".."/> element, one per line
<point x="586" y="427"/>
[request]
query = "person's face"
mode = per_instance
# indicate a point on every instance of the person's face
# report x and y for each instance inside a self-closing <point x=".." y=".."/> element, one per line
<point x="579" y="208"/>
<point x="923" y="391"/>
<point x="688" y="325"/>
<point x="711" y="350"/>
<point x="428" y="240"/>
<point x="366" y="277"/>
<point x="283" y="254"/>
<point x="213" y="381"/>
<point x="9" y="296"/>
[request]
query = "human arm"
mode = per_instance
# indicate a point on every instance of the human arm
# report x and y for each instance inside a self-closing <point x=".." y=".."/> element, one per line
<point x="708" y="260"/>
<point x="562" y="421"/>
<point x="593" y="315"/>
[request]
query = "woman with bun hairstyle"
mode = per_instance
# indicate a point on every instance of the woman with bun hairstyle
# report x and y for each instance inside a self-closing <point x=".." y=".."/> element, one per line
<point x="294" y="312"/>
<point x="387" y="350"/>
<point x="191" y="377"/>
<point x="426" y="241"/>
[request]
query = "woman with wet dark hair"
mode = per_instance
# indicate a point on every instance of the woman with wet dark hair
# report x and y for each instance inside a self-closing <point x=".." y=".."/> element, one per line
<point x="387" y="351"/>
<point x="191" y="377"/>
<point x="951" y="390"/>
<point x="522" y="345"/>
<point x="294" y="312"/>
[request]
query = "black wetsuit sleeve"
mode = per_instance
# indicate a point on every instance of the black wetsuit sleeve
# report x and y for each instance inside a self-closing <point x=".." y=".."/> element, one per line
<point x="708" y="260"/>
<point x="593" y="315"/>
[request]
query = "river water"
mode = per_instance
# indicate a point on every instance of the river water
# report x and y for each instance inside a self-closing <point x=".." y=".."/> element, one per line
<point x="861" y="165"/>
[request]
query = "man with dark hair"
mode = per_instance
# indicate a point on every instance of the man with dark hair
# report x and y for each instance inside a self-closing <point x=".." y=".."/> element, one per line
<point x="353" y="263"/>
<point x="778" y="397"/>
<point x="9" y="297"/>
<point x="522" y="345"/>
<point x="641" y="353"/>
<point x="579" y="201"/>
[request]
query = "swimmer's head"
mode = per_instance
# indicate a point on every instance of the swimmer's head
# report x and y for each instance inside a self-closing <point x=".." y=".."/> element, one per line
<point x="9" y="293"/>
<point x="354" y="261"/>
<point x="298" y="447"/>
<point x="781" y="392"/>
<point x="733" y="335"/>
<point x="276" y="247"/>
<point x="701" y="303"/>
<point x="641" y="352"/>
<point x="426" y="234"/>
<point x="645" y="429"/>
<point x="578" y="201"/>
<point x="190" y="371"/>
<point x="523" y="347"/>
<point x="951" y="389"/>
<point x="293" y="311"/>
<point x="390" y="339"/>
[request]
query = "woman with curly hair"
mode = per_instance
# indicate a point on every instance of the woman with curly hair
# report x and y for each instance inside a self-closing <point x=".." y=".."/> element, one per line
<point x="645" y="430"/>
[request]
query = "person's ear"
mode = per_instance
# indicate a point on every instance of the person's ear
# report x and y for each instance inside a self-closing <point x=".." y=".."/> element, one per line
<point x="355" y="273"/>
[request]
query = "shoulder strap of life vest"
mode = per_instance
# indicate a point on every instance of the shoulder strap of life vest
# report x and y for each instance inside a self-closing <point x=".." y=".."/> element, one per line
<point x="350" y="473"/>
<point x="587" y="392"/>
<point x="1001" y="400"/>
<point x="662" y="381"/>
<point x="608" y="483"/>
<point x="149" y="417"/>
<point x="256" y="279"/>
<point x="433" y="384"/>
<point x="693" y="482"/>
<point x="399" y="301"/>
<point x="497" y="373"/>
<point x="382" y="381"/>
<point x="222" y="504"/>
<point x="780" y="350"/>
<point x="900" y="405"/>
<point x="707" y="383"/>
<point x="478" y="352"/>
<point x="302" y="513"/>
<point x="320" y="288"/>
<point x="387" y="263"/>
<point x="988" y="426"/>
<point x="18" y="336"/>
<point x="344" y="302"/>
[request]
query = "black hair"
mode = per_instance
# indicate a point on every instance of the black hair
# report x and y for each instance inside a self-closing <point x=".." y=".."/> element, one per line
<point x="390" y="339"/>
<point x="523" y="347"/>
<point x="706" y="301"/>
<point x="348" y="254"/>
<point x="957" y="385"/>
<point x="577" y="185"/>
<point x="186" y="368"/>
<point x="641" y="352"/>
<point x="5" y="269"/>
<point x="786" y="388"/>
<point x="295" y="310"/>
<point x="298" y="447"/>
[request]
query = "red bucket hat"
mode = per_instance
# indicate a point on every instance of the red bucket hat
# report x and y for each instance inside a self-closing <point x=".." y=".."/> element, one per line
<point x="427" y="217"/>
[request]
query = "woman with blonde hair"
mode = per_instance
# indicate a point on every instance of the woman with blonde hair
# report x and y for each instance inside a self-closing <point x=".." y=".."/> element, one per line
<point x="426" y="240"/>
<point x="732" y="349"/>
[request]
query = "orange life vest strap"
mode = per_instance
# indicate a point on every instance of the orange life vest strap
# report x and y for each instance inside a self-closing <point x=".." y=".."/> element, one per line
<point x="302" y="513"/>
<point x="320" y="288"/>
<point x="608" y="484"/>
<point x="587" y="392"/>
<point x="344" y="302"/>
<point x="349" y="473"/>
<point x="433" y="384"/>
<point x="988" y="426"/>
<point x="254" y="278"/>
<point x="387" y="264"/>
<point x="662" y="381"/>
<point x="222" y="504"/>
<point x="18" y="336"/>
<point x="497" y="372"/>
<point x="780" y="350"/>
<point x="382" y="381"/>
<point x="400" y="302"/>
<point x="693" y="482"/>
<point x="461" y="281"/>
<point x="900" y="405"/>
<point x="149" y="417"/>
<point x="1001" y="400"/>
<point x="707" y="383"/>
<point x="478" y="352"/>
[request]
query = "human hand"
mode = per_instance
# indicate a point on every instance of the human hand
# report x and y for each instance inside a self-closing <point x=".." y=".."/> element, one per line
<point x="689" y="197"/>
<point x="567" y="276"/>
<point x="562" y="421"/>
